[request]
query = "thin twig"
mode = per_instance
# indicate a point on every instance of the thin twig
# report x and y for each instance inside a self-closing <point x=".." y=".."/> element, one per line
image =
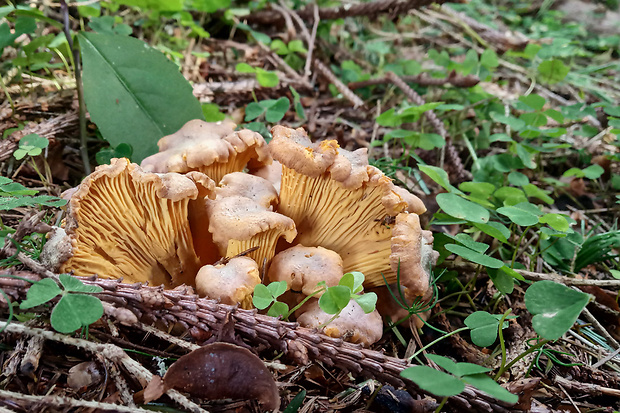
<point x="342" y="88"/>
<point x="80" y="89"/>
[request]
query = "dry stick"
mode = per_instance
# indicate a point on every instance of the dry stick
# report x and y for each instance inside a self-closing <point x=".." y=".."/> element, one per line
<point x="424" y="80"/>
<point x="394" y="7"/>
<point x="597" y="325"/>
<point x="315" y="26"/>
<point x="49" y="129"/>
<point x="80" y="86"/>
<point x="66" y="402"/>
<point x="453" y="158"/>
<point x="342" y="88"/>
<point x="298" y="343"/>
<point x="109" y="351"/>
<point x="591" y="389"/>
<point x="537" y="276"/>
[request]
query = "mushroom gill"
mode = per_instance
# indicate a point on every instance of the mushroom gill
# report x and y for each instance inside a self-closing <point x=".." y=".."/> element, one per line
<point x="123" y="222"/>
<point x="339" y="202"/>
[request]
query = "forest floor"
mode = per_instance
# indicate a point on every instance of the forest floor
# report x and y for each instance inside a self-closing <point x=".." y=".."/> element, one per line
<point x="503" y="117"/>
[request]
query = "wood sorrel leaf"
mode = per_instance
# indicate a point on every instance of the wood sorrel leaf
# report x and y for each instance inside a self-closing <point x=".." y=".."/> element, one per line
<point x="555" y="307"/>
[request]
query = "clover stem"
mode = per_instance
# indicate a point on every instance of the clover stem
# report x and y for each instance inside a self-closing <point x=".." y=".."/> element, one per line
<point x="298" y="306"/>
<point x="514" y="254"/>
<point x="506" y="367"/>
<point x="501" y="335"/>
<point x="443" y="402"/>
<point x="437" y="340"/>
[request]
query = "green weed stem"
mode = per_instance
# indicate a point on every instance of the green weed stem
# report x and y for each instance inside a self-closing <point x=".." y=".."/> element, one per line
<point x="506" y="367"/>
<point x="437" y="340"/>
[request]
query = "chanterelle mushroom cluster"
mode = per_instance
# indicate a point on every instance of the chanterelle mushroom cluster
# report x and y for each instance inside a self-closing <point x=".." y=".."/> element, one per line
<point x="331" y="213"/>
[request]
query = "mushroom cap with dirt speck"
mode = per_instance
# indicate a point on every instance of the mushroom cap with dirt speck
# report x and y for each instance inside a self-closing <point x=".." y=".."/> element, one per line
<point x="126" y="223"/>
<point x="339" y="202"/>
<point x="238" y="223"/>
<point x="352" y="324"/>
<point x="214" y="149"/>
<point x="304" y="267"/>
<point x="231" y="283"/>
<point x="254" y="187"/>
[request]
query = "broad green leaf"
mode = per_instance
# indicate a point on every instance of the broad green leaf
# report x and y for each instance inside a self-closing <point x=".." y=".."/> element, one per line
<point x="555" y="307"/>
<point x="267" y="78"/>
<point x="278" y="309"/>
<point x="389" y="118"/>
<point x="40" y="292"/>
<point x="532" y="190"/>
<point x="299" y="109"/>
<point x="443" y="362"/>
<point x="439" y="176"/>
<point x="335" y="299"/>
<point x="514" y="123"/>
<point x="525" y="156"/>
<point x="489" y="386"/>
<point x="434" y="381"/>
<point x="72" y="284"/>
<point x="467" y="241"/>
<point x="534" y="101"/>
<point x="133" y="93"/>
<point x="474" y="256"/>
<point x="209" y="6"/>
<point x="552" y="71"/>
<point x="244" y="68"/>
<point x="502" y="281"/>
<point x="354" y="280"/>
<point x="484" y="328"/>
<point x="211" y="112"/>
<point x="480" y="190"/>
<point x="297" y="46"/>
<point x="494" y="229"/>
<point x="366" y="301"/>
<point x="253" y="110"/>
<point x="105" y="155"/>
<point x="535" y="119"/>
<point x="458" y="369"/>
<point x="262" y="297"/>
<point x="523" y="214"/>
<point x="488" y="59"/>
<point x="556" y="221"/>
<point x="615" y="274"/>
<point x="458" y="207"/>
<point x="75" y="311"/>
<point x="593" y="171"/>
<point x="277" y="288"/>
<point x="518" y="179"/>
<point x="510" y="195"/>
<point x="277" y="111"/>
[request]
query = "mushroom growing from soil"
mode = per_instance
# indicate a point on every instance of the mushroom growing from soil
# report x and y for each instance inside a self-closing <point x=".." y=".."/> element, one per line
<point x="214" y="149"/>
<point x="124" y="222"/>
<point x="240" y="218"/>
<point x="351" y="324"/>
<point x="304" y="267"/>
<point x="341" y="203"/>
<point x="231" y="283"/>
<point x="223" y="371"/>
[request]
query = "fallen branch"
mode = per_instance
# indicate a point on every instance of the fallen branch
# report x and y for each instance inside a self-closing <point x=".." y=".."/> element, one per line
<point x="424" y="79"/>
<point x="300" y="344"/>
<point x="393" y="7"/>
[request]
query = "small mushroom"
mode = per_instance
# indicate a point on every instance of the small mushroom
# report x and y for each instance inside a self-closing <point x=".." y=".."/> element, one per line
<point x="412" y="254"/>
<point x="304" y="267"/>
<point x="231" y="283"/>
<point x="126" y="223"/>
<point x="223" y="371"/>
<point x="351" y="324"/>
<point x="214" y="149"/>
<point x="241" y="218"/>
<point x="340" y="202"/>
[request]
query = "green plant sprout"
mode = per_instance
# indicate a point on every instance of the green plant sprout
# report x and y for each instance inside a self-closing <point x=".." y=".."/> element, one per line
<point x="333" y="300"/>
<point x="550" y="354"/>
<point x="75" y="309"/>
<point x="453" y="382"/>
<point x="265" y="78"/>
